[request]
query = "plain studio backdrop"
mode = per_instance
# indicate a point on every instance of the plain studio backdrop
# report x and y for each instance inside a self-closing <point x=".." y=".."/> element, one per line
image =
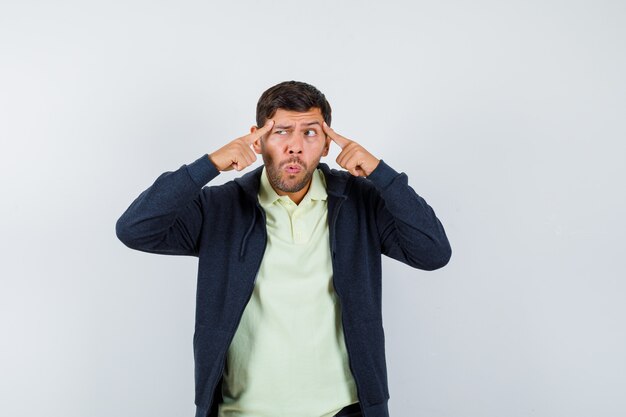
<point x="507" y="116"/>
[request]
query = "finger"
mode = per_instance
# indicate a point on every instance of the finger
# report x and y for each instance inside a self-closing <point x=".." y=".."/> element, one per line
<point x="351" y="164"/>
<point x="355" y="171"/>
<point x="259" y="132"/>
<point x="243" y="160"/>
<point x="341" y="159"/>
<point x="346" y="155"/>
<point x="337" y="138"/>
<point x="246" y="155"/>
<point x="354" y="166"/>
<point x="250" y="156"/>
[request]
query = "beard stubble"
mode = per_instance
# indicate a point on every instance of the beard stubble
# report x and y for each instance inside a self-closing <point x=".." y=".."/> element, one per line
<point x="276" y="175"/>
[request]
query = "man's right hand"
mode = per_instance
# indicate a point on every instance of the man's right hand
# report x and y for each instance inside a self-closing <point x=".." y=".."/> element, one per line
<point x="238" y="154"/>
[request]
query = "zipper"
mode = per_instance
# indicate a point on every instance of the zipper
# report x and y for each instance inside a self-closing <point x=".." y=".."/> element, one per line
<point x="333" y="221"/>
<point x="223" y="354"/>
<point x="343" y="330"/>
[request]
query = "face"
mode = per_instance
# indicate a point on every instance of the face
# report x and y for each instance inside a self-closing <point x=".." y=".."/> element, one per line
<point x="292" y="150"/>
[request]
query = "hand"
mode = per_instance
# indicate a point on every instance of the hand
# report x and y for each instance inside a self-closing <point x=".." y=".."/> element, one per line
<point x="238" y="154"/>
<point x="353" y="157"/>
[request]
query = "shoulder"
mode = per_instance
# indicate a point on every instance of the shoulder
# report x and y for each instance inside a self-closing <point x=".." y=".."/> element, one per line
<point x="228" y="188"/>
<point x="342" y="183"/>
<point x="246" y="185"/>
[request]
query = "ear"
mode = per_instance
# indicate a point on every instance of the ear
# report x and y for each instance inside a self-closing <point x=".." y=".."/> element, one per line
<point x="256" y="145"/>
<point x="326" y="145"/>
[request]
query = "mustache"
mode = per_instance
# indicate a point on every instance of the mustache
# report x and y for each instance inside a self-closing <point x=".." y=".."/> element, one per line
<point x="294" y="160"/>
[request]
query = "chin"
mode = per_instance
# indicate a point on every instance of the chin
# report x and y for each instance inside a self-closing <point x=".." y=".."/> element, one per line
<point x="292" y="185"/>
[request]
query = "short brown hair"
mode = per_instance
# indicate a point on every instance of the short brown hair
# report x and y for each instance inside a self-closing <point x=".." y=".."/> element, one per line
<point x="293" y="96"/>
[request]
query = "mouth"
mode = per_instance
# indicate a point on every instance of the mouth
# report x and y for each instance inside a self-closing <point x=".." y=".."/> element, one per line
<point x="292" y="168"/>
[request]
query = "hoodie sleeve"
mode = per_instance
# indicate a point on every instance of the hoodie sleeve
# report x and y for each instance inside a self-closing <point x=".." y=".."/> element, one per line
<point x="409" y="230"/>
<point x="167" y="217"/>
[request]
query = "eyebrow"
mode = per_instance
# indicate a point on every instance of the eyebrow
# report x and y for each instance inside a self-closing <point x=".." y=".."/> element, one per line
<point x="291" y="126"/>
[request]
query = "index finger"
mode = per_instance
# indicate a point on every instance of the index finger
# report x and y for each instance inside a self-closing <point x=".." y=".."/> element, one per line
<point x="260" y="132"/>
<point x="337" y="138"/>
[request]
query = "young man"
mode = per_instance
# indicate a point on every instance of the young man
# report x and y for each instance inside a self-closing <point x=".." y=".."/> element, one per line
<point x="288" y="302"/>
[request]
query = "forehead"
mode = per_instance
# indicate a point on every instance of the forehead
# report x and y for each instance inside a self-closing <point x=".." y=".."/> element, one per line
<point x="282" y="116"/>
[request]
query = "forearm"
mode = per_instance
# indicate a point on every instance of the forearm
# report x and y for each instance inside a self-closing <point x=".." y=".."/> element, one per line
<point x="167" y="217"/>
<point x="410" y="230"/>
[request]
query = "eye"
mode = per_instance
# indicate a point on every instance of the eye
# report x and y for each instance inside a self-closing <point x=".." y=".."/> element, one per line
<point x="280" y="132"/>
<point x="310" y="132"/>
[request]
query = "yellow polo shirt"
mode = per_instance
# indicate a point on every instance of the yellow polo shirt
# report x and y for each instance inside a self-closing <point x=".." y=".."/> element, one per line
<point x="288" y="356"/>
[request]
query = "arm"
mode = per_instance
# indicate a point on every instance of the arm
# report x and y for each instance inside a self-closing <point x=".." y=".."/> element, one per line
<point x="167" y="217"/>
<point x="408" y="227"/>
<point x="409" y="230"/>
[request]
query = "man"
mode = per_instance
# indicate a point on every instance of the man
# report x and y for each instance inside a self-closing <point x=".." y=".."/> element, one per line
<point x="288" y="302"/>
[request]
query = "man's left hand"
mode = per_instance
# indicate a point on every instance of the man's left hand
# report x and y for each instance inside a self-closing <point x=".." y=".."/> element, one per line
<point x="353" y="157"/>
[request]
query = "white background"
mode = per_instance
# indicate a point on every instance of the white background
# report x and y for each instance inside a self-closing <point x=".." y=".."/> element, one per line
<point x="507" y="116"/>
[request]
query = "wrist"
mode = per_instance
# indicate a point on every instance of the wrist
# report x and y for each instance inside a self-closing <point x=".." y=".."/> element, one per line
<point x="215" y="164"/>
<point x="373" y="167"/>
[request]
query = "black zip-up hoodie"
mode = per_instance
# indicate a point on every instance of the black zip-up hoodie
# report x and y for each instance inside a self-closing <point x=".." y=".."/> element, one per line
<point x="224" y="226"/>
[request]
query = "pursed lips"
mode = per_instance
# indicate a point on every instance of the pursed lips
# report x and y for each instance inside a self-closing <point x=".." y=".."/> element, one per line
<point x="292" y="167"/>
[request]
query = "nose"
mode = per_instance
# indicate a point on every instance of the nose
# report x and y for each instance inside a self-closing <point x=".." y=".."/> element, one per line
<point x="294" y="145"/>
